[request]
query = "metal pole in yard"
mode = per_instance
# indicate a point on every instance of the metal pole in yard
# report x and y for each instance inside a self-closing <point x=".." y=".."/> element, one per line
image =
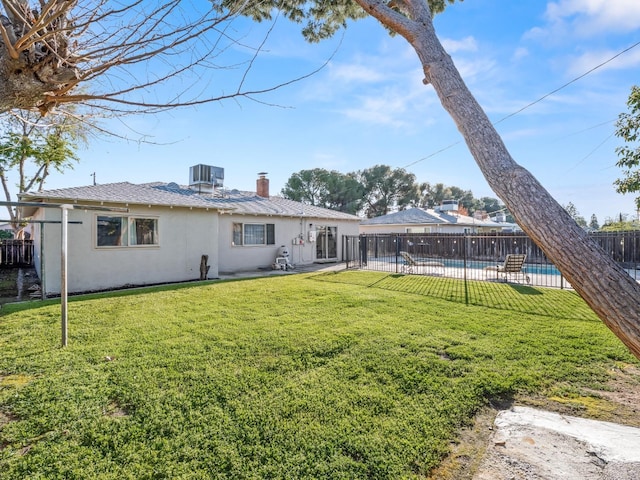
<point x="43" y="287"/>
<point x="63" y="272"/>
<point x="464" y="258"/>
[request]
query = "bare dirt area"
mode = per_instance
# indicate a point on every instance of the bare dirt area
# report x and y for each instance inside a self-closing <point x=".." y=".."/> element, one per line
<point x="16" y="284"/>
<point x="594" y="437"/>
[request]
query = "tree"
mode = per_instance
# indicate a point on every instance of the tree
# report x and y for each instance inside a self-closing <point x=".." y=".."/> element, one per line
<point x="323" y="188"/>
<point x="49" y="49"/>
<point x="307" y="186"/>
<point x="593" y="223"/>
<point x="612" y="294"/>
<point x="620" y="224"/>
<point x="344" y="193"/>
<point x="490" y="204"/>
<point x="465" y="199"/>
<point x="31" y="148"/>
<point x="432" y="195"/>
<point x="385" y="189"/>
<point x="628" y="128"/>
<point x="573" y="212"/>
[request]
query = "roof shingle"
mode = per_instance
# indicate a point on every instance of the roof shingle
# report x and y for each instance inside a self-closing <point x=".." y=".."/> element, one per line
<point x="171" y="194"/>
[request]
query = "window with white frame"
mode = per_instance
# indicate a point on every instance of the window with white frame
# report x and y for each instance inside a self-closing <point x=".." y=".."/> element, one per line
<point x="248" y="234"/>
<point x="126" y="231"/>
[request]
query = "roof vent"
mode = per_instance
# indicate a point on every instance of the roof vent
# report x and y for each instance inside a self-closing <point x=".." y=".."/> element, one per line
<point x="173" y="186"/>
<point x="205" y="178"/>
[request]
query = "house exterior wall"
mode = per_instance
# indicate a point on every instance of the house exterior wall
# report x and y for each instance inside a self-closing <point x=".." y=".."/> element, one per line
<point x="184" y="235"/>
<point x="234" y="258"/>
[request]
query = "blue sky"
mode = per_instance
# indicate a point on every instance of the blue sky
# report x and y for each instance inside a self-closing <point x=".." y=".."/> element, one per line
<point x="368" y="106"/>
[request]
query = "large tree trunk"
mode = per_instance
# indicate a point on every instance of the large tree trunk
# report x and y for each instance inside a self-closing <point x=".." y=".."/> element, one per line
<point x="608" y="289"/>
<point x="22" y="87"/>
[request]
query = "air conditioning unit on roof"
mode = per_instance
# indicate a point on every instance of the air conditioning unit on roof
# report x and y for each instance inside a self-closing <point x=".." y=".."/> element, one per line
<point x="205" y="178"/>
<point x="449" y="206"/>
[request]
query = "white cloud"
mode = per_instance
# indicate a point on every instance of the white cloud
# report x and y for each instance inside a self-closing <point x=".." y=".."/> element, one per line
<point x="381" y="89"/>
<point x="394" y="105"/>
<point x="519" y="54"/>
<point x="471" y="68"/>
<point x="589" y="17"/>
<point x="467" y="44"/>
<point x="386" y="110"/>
<point x="591" y="59"/>
<point x="357" y="73"/>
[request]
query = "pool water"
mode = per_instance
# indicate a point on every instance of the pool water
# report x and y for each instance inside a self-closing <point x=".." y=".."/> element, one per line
<point x="529" y="268"/>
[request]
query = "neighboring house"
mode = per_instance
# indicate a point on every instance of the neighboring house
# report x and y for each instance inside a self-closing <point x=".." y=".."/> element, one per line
<point x="419" y="220"/>
<point x="167" y="228"/>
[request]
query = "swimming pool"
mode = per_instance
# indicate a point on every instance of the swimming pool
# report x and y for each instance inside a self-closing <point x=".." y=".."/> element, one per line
<point x="529" y="268"/>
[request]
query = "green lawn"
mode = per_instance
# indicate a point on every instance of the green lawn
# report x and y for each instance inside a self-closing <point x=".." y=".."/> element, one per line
<point x="337" y="375"/>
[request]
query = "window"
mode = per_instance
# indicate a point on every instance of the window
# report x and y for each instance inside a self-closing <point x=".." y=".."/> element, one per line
<point x="143" y="231"/>
<point x="119" y="231"/>
<point x="254" y="234"/>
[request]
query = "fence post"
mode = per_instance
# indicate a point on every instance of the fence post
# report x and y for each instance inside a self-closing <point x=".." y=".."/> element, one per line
<point x="397" y="242"/>
<point x="464" y="266"/>
<point x="364" y="245"/>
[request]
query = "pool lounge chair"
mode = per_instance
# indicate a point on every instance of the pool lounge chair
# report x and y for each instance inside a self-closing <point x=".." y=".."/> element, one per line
<point x="411" y="265"/>
<point x="513" y="267"/>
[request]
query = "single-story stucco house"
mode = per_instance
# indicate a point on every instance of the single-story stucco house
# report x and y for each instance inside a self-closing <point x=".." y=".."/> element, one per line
<point x="440" y="220"/>
<point x="162" y="230"/>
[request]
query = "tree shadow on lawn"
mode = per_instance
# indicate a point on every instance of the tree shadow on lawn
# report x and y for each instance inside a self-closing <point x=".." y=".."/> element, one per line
<point x="505" y="296"/>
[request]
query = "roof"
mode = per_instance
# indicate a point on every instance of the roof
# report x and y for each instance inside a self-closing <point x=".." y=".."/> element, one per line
<point x="411" y="216"/>
<point x="171" y="194"/>
<point x="421" y="216"/>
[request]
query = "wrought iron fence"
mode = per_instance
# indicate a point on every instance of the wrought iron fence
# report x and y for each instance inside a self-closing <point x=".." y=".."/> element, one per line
<point x="476" y="257"/>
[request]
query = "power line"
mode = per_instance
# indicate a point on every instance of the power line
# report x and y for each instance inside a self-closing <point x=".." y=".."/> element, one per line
<point x="434" y="153"/>
<point x="590" y="153"/>
<point x="570" y="82"/>
<point x="536" y="101"/>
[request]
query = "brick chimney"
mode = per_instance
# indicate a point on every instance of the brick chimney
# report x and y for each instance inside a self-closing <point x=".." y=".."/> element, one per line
<point x="262" y="185"/>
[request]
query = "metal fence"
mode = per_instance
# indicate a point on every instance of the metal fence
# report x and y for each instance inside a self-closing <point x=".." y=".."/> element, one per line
<point x="476" y="257"/>
<point x="16" y="253"/>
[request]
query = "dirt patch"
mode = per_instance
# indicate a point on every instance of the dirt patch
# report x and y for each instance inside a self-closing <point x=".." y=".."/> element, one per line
<point x="114" y="410"/>
<point x="16" y="284"/>
<point x="490" y="451"/>
<point x="624" y="396"/>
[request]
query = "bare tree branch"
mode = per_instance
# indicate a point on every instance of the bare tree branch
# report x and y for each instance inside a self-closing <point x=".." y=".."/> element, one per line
<point x="105" y="53"/>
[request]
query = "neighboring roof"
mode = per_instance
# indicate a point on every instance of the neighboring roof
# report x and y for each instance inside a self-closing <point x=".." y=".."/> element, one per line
<point x="171" y="194"/>
<point x="420" y="216"/>
<point x="412" y="216"/>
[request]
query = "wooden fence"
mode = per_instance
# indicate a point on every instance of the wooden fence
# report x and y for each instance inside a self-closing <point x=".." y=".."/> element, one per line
<point x="16" y="253"/>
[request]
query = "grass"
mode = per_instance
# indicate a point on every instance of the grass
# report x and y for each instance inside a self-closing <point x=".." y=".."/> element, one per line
<point x="342" y="375"/>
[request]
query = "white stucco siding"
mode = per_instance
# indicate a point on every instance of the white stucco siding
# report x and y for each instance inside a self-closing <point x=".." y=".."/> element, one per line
<point x="183" y="237"/>
<point x="234" y="258"/>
